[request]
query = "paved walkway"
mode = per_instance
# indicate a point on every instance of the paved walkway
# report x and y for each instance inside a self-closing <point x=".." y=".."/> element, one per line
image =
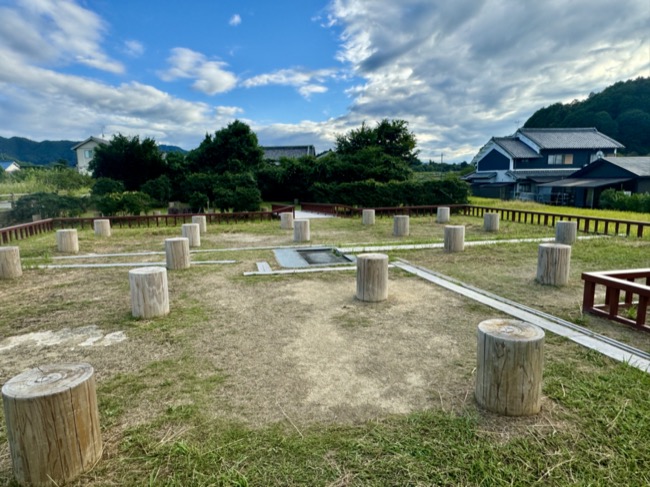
<point x="310" y="215"/>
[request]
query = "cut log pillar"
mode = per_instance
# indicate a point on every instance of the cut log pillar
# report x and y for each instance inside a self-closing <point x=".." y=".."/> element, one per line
<point x="372" y="277"/>
<point x="52" y="423"/>
<point x="177" y="253"/>
<point x="102" y="228"/>
<point x="454" y="238"/>
<point x="149" y="292"/>
<point x="553" y="262"/>
<point x="442" y="214"/>
<point x="10" y="266"/>
<point x="368" y="217"/>
<point x="286" y="220"/>
<point x="491" y="222"/>
<point x="510" y="364"/>
<point x="36" y="217"/>
<point x="401" y="225"/>
<point x="301" y="230"/>
<point x="566" y="232"/>
<point x="67" y="240"/>
<point x="191" y="232"/>
<point x="202" y="222"/>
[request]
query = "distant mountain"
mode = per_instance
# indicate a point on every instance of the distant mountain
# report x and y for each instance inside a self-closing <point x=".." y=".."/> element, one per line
<point x="621" y="111"/>
<point x="27" y="151"/>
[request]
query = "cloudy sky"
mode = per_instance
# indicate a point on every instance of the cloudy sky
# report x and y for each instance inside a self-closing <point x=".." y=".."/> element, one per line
<point x="302" y="71"/>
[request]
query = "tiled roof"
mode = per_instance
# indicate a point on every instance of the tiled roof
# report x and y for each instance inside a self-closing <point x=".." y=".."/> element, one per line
<point x="570" y="138"/>
<point x="479" y="175"/>
<point x="636" y="165"/>
<point x="94" y="139"/>
<point x="548" y="174"/>
<point x="290" y="151"/>
<point x="516" y="148"/>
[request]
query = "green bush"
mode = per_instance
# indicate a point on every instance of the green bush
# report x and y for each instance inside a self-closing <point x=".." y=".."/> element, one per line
<point x="104" y="186"/>
<point x="610" y="199"/>
<point x="48" y="205"/>
<point x="127" y="203"/>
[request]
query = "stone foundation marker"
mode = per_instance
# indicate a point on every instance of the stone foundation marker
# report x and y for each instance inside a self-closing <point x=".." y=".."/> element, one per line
<point x="401" y="226"/>
<point x="491" y="222"/>
<point x="566" y="232"/>
<point x="286" y="220"/>
<point x="52" y="423"/>
<point x="202" y="222"/>
<point x="177" y="253"/>
<point x="102" y="228"/>
<point x="372" y="277"/>
<point x="149" y="292"/>
<point x="67" y="240"/>
<point x="454" y="238"/>
<point x="510" y="363"/>
<point x="442" y="214"/>
<point x="192" y="232"/>
<point x="301" y="230"/>
<point x="10" y="267"/>
<point x="368" y="217"/>
<point x="553" y="262"/>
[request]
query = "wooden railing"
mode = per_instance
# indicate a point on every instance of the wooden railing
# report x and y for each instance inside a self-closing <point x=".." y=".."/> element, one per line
<point x="26" y="230"/>
<point x="628" y="311"/>
<point x="586" y="224"/>
<point x="349" y="211"/>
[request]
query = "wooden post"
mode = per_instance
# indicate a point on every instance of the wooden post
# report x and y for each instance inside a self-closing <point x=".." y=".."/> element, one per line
<point x="368" y="217"/>
<point x="177" y="253"/>
<point x="442" y="214"/>
<point x="149" y="292"/>
<point x="301" y="230"/>
<point x="401" y="225"/>
<point x="286" y="220"/>
<point x="566" y="232"/>
<point x="510" y="364"/>
<point x="553" y="262"/>
<point x="191" y="232"/>
<point x="67" y="240"/>
<point x="102" y="228"/>
<point x="52" y="423"/>
<point x="10" y="267"/>
<point x="491" y="222"/>
<point x="202" y="222"/>
<point x="372" y="277"/>
<point x="454" y="238"/>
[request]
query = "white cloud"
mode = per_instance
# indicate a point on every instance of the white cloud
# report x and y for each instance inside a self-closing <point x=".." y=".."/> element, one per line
<point x="133" y="48"/>
<point x="235" y="20"/>
<point x="305" y="81"/>
<point x="210" y="77"/>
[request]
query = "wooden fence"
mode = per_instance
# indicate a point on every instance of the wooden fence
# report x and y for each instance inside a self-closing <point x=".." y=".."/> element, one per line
<point x="628" y="311"/>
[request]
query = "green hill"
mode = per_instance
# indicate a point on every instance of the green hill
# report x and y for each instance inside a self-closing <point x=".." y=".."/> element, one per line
<point x="621" y="111"/>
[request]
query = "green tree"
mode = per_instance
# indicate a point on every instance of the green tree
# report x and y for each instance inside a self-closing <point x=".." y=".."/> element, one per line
<point x="159" y="189"/>
<point x="233" y="149"/>
<point x="104" y="186"/>
<point x="129" y="160"/>
<point x="392" y="137"/>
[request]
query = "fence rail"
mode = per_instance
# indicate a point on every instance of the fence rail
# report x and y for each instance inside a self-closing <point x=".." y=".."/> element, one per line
<point x="628" y="311"/>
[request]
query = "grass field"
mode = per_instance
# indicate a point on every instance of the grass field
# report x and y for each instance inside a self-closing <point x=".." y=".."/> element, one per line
<point x="288" y="380"/>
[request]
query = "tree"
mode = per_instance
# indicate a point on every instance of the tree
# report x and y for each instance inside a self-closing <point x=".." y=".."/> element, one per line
<point x="392" y="137"/>
<point x="233" y="149"/>
<point x="129" y="160"/>
<point x="104" y="186"/>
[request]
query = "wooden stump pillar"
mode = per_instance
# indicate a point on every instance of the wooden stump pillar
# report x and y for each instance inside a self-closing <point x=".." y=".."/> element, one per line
<point x="102" y="228"/>
<point x="368" y="217"/>
<point x="177" y="253"/>
<point x="52" y="423"/>
<point x="202" y="222"/>
<point x="301" y="230"/>
<point x="401" y="226"/>
<point x="510" y="363"/>
<point x="192" y="232"/>
<point x="10" y="266"/>
<point x="553" y="262"/>
<point x="286" y="220"/>
<point x="454" y="238"/>
<point x="566" y="232"/>
<point x="442" y="214"/>
<point x="372" y="277"/>
<point x="149" y="292"/>
<point x="491" y="222"/>
<point x="67" y="240"/>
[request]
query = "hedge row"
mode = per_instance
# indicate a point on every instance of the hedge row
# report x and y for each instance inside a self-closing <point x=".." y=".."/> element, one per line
<point x="610" y="199"/>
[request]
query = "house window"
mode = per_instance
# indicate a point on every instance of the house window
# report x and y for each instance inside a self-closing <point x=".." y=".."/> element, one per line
<point x="88" y="153"/>
<point x="559" y="159"/>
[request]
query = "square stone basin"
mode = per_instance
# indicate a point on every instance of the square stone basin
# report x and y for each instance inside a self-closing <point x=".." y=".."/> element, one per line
<point x="311" y="256"/>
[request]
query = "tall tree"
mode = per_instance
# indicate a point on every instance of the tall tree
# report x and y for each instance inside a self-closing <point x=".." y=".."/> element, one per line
<point x="129" y="160"/>
<point x="392" y="137"/>
<point x="233" y="149"/>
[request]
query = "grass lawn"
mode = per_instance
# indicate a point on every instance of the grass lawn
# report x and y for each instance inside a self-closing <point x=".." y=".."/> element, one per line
<point x="288" y="380"/>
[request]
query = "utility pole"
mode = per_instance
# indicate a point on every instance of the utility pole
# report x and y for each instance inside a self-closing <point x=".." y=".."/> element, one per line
<point x="441" y="158"/>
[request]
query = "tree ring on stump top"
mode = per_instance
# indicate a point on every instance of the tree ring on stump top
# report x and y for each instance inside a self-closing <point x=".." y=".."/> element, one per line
<point x="373" y="256"/>
<point x="511" y="329"/>
<point x="47" y="380"/>
<point x="147" y="270"/>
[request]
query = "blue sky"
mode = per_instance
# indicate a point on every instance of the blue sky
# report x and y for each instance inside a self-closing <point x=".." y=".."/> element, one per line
<point x="303" y="71"/>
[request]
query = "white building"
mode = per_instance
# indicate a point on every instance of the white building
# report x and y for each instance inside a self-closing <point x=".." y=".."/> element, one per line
<point x="86" y="151"/>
